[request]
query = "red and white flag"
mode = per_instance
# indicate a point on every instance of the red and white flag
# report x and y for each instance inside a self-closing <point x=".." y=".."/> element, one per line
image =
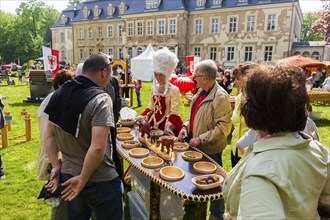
<point x="51" y="59"/>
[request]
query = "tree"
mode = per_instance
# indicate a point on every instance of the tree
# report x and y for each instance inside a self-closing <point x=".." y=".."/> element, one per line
<point x="306" y="34"/>
<point x="322" y="25"/>
<point x="7" y="22"/>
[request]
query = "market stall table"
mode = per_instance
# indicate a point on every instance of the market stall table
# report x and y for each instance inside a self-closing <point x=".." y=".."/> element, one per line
<point x="184" y="188"/>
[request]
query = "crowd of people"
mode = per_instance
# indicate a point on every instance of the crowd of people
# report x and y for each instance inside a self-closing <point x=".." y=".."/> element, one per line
<point x="280" y="168"/>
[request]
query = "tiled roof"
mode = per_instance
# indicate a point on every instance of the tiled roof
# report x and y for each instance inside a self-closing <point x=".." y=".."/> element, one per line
<point x="138" y="7"/>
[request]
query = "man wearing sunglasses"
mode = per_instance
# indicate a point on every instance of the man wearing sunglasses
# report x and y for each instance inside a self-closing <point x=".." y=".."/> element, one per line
<point x="80" y="115"/>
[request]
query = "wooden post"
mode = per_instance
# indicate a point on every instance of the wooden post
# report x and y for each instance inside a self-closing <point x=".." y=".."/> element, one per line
<point x="27" y="127"/>
<point x="126" y="73"/>
<point x="8" y="122"/>
<point x="4" y="136"/>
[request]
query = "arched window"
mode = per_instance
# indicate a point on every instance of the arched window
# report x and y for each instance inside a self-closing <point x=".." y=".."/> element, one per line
<point x="86" y="13"/>
<point x="316" y="55"/>
<point x="296" y="53"/>
<point x="306" y="54"/>
<point x="122" y="8"/>
<point x="63" y="20"/>
<point x="96" y="11"/>
<point x="139" y="50"/>
<point x="110" y="10"/>
<point x="217" y="2"/>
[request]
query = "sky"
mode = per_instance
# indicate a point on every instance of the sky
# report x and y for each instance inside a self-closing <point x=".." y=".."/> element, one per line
<point x="11" y="5"/>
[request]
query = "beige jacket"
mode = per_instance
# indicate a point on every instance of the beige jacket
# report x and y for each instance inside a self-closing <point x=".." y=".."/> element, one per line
<point x="212" y="123"/>
<point x="280" y="178"/>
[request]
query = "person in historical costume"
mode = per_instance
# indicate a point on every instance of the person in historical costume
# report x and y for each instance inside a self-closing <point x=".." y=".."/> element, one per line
<point x="164" y="106"/>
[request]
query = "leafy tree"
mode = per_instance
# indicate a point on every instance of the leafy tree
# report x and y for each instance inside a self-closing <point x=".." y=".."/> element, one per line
<point x="306" y="34"/>
<point x="7" y="22"/>
<point x="24" y="34"/>
<point x="322" y="25"/>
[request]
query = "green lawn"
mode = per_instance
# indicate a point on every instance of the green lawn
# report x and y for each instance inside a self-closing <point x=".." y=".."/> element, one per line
<point x="18" y="192"/>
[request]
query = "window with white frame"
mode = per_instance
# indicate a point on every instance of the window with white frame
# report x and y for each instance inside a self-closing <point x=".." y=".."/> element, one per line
<point x="250" y="23"/>
<point x="139" y="28"/>
<point x="110" y="51"/>
<point x="90" y="32"/>
<point x="161" y="27"/>
<point x="213" y="53"/>
<point x="100" y="50"/>
<point x="110" y="10"/>
<point x="197" y="51"/>
<point x="63" y="57"/>
<point x="271" y="19"/>
<point x="139" y="50"/>
<point x="81" y="33"/>
<point x="198" y="26"/>
<point x="110" y="31"/>
<point x="120" y="53"/>
<point x="130" y="29"/>
<point x="86" y="13"/>
<point x="120" y="30"/>
<point x="232" y="24"/>
<point x="81" y="54"/>
<point x="268" y="53"/>
<point x="172" y="24"/>
<point x="96" y="11"/>
<point x="216" y="2"/>
<point x="150" y="27"/>
<point x="230" y="53"/>
<point x="200" y="3"/>
<point x="130" y="52"/>
<point x="122" y="8"/>
<point x="90" y="51"/>
<point x="62" y="37"/>
<point x="100" y="32"/>
<point x="248" y="53"/>
<point x="215" y="25"/>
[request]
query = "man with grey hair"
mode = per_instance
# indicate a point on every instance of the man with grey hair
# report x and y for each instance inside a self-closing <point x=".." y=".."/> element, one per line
<point x="80" y="115"/>
<point x="210" y="120"/>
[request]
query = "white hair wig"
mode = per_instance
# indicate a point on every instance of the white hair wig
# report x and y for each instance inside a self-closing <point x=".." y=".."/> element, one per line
<point x="164" y="62"/>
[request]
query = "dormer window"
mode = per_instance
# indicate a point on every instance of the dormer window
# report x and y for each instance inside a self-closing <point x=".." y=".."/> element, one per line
<point x="122" y="8"/>
<point x="96" y="12"/>
<point x="216" y="2"/>
<point x="86" y="13"/>
<point x="152" y="4"/>
<point x="64" y="19"/>
<point x="200" y="3"/>
<point x="110" y="10"/>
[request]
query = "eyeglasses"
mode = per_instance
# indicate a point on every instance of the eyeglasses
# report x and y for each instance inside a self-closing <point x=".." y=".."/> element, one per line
<point x="195" y="76"/>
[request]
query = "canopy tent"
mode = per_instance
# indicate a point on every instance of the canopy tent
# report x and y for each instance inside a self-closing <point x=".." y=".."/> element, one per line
<point x="141" y="65"/>
<point x="10" y="65"/>
<point x="308" y="62"/>
<point x="302" y="61"/>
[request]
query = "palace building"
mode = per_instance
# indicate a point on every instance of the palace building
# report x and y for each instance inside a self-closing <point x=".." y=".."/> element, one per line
<point x="226" y="31"/>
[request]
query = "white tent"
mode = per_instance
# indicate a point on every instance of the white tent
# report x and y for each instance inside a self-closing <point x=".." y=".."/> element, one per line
<point x="141" y="65"/>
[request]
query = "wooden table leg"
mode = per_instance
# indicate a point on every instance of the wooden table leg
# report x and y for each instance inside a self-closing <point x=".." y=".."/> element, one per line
<point x="154" y="201"/>
<point x="131" y="95"/>
<point x="200" y="212"/>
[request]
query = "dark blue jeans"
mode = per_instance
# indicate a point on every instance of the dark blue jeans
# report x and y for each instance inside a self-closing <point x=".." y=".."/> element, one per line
<point x="217" y="207"/>
<point x="138" y="94"/>
<point x="104" y="199"/>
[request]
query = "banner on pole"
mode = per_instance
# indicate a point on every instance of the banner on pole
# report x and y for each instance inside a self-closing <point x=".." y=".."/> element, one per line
<point x="51" y="60"/>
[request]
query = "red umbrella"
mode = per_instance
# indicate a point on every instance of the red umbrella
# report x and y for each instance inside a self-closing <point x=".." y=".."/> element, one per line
<point x="185" y="84"/>
<point x="302" y="61"/>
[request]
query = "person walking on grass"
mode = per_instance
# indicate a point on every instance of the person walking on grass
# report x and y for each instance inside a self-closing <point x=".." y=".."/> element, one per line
<point x="80" y="115"/>
<point x="138" y="86"/>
